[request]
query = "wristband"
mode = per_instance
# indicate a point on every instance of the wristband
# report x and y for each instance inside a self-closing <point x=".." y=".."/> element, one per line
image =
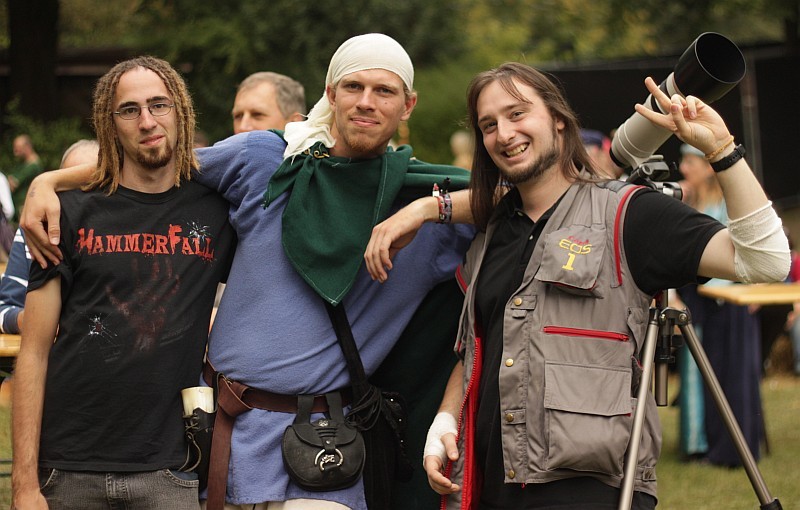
<point x="729" y="160"/>
<point x="445" y="208"/>
<point x="445" y="203"/>
<point x="713" y="154"/>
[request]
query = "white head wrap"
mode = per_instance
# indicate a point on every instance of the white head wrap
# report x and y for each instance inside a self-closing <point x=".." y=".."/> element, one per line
<point x="359" y="53"/>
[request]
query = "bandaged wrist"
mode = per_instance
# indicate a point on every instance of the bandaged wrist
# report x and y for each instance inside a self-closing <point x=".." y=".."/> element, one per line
<point x="761" y="248"/>
<point x="443" y="423"/>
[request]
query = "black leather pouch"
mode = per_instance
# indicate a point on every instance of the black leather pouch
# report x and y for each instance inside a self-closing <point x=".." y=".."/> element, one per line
<point x="199" y="431"/>
<point x="324" y="455"/>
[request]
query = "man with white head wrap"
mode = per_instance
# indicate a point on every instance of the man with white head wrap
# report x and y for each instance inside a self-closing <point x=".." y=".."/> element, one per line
<point x="360" y="53"/>
<point x="336" y="182"/>
<point x="303" y="242"/>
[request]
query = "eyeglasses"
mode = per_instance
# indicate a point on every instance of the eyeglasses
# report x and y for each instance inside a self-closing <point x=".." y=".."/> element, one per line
<point x="133" y="111"/>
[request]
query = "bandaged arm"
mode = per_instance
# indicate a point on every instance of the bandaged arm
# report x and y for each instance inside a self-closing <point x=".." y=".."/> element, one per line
<point x="754" y="248"/>
<point x="445" y="421"/>
<point x="761" y="249"/>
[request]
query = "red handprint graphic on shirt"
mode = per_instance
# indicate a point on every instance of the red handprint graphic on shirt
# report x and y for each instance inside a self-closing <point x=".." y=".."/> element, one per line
<point x="145" y="310"/>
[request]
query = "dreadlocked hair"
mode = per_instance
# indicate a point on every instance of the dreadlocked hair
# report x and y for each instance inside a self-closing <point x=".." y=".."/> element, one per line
<point x="111" y="157"/>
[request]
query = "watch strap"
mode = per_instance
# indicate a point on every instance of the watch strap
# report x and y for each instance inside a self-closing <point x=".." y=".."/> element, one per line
<point x="729" y="160"/>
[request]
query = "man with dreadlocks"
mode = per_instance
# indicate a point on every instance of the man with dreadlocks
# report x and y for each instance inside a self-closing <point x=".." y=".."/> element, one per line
<point x="97" y="415"/>
<point x="328" y="181"/>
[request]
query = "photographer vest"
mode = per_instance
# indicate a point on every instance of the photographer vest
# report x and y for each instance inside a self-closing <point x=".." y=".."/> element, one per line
<point x="572" y="333"/>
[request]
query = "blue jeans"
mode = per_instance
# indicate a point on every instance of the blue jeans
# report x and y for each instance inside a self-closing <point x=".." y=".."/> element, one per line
<point x="151" y="490"/>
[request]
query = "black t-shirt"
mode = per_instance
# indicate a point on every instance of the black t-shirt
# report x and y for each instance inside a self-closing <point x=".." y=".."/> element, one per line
<point x="663" y="241"/>
<point x="139" y="277"/>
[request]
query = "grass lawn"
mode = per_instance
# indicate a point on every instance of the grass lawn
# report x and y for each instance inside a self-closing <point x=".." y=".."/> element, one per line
<point x="681" y="486"/>
<point x="700" y="487"/>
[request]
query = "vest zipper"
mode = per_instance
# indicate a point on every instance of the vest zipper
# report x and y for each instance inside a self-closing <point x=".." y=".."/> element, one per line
<point x="587" y="333"/>
<point x="448" y="468"/>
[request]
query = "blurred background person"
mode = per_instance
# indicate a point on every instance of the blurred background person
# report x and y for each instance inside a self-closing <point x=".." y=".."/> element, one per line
<point x="81" y="152"/>
<point x="598" y="146"/>
<point x="200" y="139"/>
<point x="731" y="337"/>
<point x="700" y="188"/>
<point x="267" y="100"/>
<point x="29" y="167"/>
<point x="793" y="319"/>
<point x="6" y="218"/>
<point x="6" y="200"/>
<point x="14" y="282"/>
<point x="692" y="441"/>
<point x="462" y="145"/>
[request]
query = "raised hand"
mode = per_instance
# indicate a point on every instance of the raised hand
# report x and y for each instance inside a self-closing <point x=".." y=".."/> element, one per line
<point x="693" y="121"/>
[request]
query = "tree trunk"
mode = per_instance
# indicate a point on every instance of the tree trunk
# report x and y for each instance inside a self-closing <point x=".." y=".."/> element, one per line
<point x="33" y="33"/>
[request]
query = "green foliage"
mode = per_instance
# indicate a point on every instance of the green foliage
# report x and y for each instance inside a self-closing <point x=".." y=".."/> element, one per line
<point x="572" y="31"/>
<point x="223" y="42"/>
<point x="441" y="110"/>
<point x="50" y="139"/>
<point x="671" y="26"/>
<point x="93" y="24"/>
<point x="216" y="44"/>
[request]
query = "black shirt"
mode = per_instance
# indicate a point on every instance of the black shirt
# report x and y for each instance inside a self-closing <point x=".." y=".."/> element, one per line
<point x="663" y="240"/>
<point x="138" y="280"/>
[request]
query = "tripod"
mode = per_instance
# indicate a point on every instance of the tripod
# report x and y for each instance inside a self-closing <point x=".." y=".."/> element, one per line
<point x="657" y="351"/>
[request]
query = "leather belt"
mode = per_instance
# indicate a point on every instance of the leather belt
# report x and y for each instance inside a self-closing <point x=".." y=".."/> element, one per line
<point x="261" y="399"/>
<point x="233" y="399"/>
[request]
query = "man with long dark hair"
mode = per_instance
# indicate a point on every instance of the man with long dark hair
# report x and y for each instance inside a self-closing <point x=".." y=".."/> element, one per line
<point x="558" y="286"/>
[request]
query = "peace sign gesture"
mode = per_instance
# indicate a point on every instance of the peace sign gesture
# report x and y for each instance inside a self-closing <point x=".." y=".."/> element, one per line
<point x="689" y="118"/>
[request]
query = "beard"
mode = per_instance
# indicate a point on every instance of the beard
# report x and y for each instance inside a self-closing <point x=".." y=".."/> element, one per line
<point x="357" y="143"/>
<point x="360" y="144"/>
<point x="538" y="166"/>
<point x="155" y="159"/>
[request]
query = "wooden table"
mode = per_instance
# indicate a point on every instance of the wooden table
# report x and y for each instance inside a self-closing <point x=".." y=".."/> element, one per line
<point x="754" y="294"/>
<point x="9" y="346"/>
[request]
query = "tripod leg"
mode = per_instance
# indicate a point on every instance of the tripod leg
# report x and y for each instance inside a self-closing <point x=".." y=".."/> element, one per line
<point x="632" y="455"/>
<point x="710" y="379"/>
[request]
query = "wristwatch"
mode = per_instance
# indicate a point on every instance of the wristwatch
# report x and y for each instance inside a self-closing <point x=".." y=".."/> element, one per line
<point x="728" y="161"/>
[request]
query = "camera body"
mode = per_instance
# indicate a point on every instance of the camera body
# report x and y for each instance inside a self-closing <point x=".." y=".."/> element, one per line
<point x="654" y="173"/>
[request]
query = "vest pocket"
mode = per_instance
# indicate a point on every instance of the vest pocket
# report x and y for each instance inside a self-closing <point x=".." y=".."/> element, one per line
<point x="571" y="260"/>
<point x="585" y="333"/>
<point x="587" y="417"/>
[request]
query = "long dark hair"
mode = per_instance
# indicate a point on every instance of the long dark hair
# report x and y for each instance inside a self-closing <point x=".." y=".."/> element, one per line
<point x="485" y="174"/>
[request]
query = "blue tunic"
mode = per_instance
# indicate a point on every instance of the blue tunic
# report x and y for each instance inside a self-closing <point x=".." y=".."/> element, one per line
<point x="272" y="331"/>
